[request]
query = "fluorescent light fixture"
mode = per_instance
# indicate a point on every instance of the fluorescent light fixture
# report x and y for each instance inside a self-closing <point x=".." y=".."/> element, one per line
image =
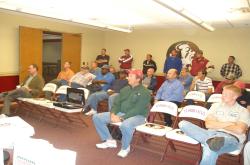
<point x="207" y="26"/>
<point x="119" y="29"/>
<point x="171" y="5"/>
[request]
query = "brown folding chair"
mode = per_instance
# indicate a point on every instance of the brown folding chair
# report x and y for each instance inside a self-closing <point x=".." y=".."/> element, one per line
<point x="154" y="129"/>
<point x="177" y="140"/>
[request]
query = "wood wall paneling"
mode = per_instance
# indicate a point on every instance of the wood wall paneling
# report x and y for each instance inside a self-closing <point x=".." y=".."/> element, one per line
<point x="30" y="50"/>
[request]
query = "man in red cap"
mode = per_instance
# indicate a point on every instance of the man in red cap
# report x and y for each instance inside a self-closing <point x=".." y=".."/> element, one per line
<point x="130" y="108"/>
<point x="244" y="99"/>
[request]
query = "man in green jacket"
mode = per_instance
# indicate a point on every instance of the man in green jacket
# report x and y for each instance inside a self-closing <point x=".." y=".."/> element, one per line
<point x="31" y="87"/>
<point x="130" y="108"/>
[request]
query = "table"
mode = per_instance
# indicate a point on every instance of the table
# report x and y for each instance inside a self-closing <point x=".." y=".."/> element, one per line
<point x="46" y="109"/>
<point x="11" y="130"/>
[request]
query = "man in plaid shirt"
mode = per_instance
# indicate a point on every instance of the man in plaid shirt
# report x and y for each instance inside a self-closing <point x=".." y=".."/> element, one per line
<point x="231" y="67"/>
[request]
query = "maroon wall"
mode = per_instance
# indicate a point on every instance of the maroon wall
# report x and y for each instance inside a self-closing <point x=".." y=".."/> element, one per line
<point x="161" y="79"/>
<point x="8" y="82"/>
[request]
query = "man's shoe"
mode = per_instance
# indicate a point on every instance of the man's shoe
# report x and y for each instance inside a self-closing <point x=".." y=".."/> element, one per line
<point x="215" y="143"/>
<point x="107" y="144"/>
<point x="124" y="153"/>
<point x="91" y="112"/>
<point x="3" y="116"/>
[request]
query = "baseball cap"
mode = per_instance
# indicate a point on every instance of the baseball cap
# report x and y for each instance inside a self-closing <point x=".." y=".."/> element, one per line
<point x="136" y="72"/>
<point x="240" y="84"/>
<point x="105" y="66"/>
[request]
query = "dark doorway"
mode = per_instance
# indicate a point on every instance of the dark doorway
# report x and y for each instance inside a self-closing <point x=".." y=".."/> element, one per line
<point x="52" y="47"/>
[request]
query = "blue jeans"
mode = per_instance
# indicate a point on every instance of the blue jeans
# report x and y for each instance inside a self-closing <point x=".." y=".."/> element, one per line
<point x="94" y="98"/>
<point x="127" y="127"/>
<point x="112" y="99"/>
<point x="209" y="157"/>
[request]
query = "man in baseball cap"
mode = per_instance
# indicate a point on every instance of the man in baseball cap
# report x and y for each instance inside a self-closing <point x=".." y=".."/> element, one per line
<point x="130" y="108"/>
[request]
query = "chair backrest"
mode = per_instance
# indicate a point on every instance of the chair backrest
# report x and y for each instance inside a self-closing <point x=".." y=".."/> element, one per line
<point x="50" y="87"/>
<point x="62" y="89"/>
<point x="194" y="111"/>
<point x="215" y="98"/>
<point x="165" y="107"/>
<point x="76" y="96"/>
<point x="86" y="92"/>
<point x="196" y="95"/>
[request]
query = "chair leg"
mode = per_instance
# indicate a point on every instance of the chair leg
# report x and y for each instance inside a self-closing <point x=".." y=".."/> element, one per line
<point x="165" y="151"/>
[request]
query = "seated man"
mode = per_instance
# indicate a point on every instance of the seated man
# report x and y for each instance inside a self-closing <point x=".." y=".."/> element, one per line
<point x="110" y="94"/>
<point x="31" y="87"/>
<point x="226" y="122"/>
<point x="171" y="90"/>
<point x="186" y="79"/>
<point x="79" y="80"/>
<point x="104" y="80"/>
<point x="149" y="80"/>
<point x="62" y="79"/>
<point x="130" y="108"/>
<point x="229" y="79"/>
<point x="94" y="68"/>
<point x="113" y="71"/>
<point x="82" y="78"/>
<point x="202" y="83"/>
<point x="65" y="75"/>
<point x="247" y="154"/>
<point x="244" y="99"/>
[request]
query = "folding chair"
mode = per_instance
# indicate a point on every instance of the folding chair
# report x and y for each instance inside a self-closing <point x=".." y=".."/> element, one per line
<point x="50" y="87"/>
<point x="198" y="97"/>
<point x="62" y="89"/>
<point x="214" y="98"/>
<point x="237" y="154"/>
<point x="86" y="92"/>
<point x="154" y="129"/>
<point x="196" y="114"/>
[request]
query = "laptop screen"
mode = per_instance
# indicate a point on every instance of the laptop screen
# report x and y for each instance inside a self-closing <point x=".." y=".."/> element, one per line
<point x="75" y="96"/>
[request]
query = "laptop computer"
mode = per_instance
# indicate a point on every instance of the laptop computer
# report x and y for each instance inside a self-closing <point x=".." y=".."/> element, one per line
<point x="75" y="99"/>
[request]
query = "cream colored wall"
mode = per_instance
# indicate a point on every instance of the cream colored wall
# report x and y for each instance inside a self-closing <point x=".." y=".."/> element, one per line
<point x="92" y="39"/>
<point x="217" y="46"/>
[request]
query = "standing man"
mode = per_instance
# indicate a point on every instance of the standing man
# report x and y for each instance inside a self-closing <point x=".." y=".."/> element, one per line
<point x="103" y="58"/>
<point x="200" y="63"/>
<point x="149" y="63"/>
<point x="130" y="108"/>
<point x="173" y="62"/>
<point x="231" y="67"/>
<point x="126" y="60"/>
<point x="171" y="90"/>
<point x="226" y="122"/>
<point x="31" y="87"/>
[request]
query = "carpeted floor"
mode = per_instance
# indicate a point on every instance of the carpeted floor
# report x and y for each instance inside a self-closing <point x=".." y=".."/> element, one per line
<point x="83" y="140"/>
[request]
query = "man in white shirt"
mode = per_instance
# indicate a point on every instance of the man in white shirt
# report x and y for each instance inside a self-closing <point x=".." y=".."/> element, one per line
<point x="226" y="122"/>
